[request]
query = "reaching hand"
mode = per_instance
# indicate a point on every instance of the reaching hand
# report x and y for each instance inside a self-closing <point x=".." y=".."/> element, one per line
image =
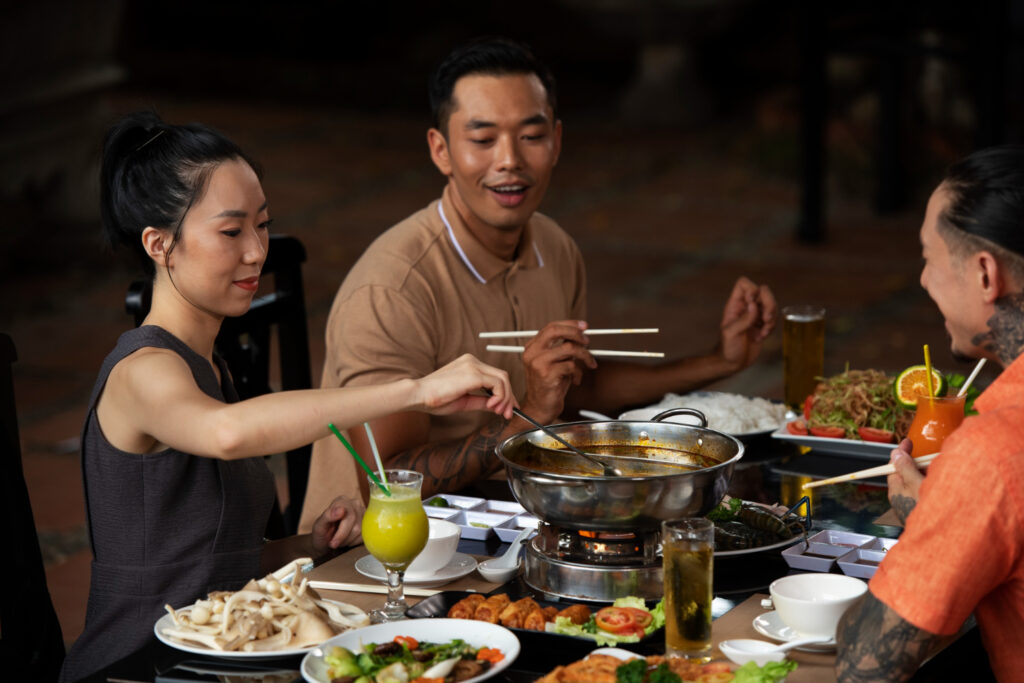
<point x="748" y="318"/>
<point x="448" y="390"/>
<point x="337" y="526"/>
<point x="554" y="359"/>
<point x="905" y="482"/>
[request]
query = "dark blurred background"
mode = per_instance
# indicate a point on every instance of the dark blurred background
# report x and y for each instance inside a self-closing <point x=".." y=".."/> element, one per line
<point x="794" y="142"/>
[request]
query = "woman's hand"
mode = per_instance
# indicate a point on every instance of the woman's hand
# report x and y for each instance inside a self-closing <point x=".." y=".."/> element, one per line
<point x="448" y="390"/>
<point x="337" y="526"/>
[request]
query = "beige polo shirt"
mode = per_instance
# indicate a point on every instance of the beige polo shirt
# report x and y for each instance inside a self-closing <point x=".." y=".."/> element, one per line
<point x="417" y="299"/>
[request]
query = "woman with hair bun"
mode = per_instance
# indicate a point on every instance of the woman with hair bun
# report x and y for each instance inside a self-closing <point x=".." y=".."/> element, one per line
<point x="177" y="497"/>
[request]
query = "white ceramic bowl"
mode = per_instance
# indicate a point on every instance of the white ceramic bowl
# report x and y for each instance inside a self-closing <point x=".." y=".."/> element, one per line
<point x="812" y="604"/>
<point x="440" y="548"/>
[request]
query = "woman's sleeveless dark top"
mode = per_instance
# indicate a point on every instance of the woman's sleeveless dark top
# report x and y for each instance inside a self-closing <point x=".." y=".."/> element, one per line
<point x="167" y="527"/>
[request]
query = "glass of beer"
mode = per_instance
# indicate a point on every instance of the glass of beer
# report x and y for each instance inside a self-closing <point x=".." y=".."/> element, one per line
<point x="803" y="352"/>
<point x="687" y="547"/>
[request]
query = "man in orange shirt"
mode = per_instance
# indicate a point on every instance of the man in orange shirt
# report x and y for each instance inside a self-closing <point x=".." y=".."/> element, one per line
<point x="962" y="550"/>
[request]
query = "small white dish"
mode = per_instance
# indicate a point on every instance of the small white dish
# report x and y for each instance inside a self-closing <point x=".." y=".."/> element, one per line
<point x="862" y="563"/>
<point x="847" y="539"/>
<point x="476" y="633"/>
<point x="459" y="502"/>
<point x="770" y="625"/>
<point x="460" y="565"/>
<point x="479" y="525"/>
<point x="814" y="557"/>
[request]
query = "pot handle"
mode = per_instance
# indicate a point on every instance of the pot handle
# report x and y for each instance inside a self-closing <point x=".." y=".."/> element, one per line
<point x="681" y="411"/>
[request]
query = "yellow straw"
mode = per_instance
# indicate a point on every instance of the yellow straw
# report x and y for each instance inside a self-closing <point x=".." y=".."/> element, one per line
<point x="928" y="370"/>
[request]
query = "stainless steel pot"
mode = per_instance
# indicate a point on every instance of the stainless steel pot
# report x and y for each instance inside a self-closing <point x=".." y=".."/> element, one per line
<point x="555" y="486"/>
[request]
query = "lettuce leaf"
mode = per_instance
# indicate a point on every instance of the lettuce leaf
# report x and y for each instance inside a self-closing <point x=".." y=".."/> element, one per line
<point x="769" y="673"/>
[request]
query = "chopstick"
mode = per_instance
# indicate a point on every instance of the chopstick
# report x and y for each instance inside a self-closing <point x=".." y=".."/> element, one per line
<point x="530" y="333"/>
<point x="371" y="588"/>
<point x="593" y="352"/>
<point x="921" y="462"/>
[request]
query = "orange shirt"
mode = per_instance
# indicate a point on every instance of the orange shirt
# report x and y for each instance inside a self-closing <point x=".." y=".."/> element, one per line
<point x="963" y="547"/>
<point x="418" y="298"/>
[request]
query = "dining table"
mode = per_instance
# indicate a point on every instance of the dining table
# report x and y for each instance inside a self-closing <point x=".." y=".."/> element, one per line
<point x="772" y="470"/>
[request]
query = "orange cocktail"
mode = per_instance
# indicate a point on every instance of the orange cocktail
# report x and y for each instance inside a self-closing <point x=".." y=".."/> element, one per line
<point x="936" y="418"/>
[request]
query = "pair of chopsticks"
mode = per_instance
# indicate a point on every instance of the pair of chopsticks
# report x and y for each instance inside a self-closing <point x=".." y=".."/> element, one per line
<point x="370" y="588"/>
<point x="594" y="352"/>
<point x="879" y="471"/>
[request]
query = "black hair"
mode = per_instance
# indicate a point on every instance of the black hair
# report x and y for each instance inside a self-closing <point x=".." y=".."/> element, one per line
<point x="987" y="197"/>
<point x="486" y="56"/>
<point x="153" y="173"/>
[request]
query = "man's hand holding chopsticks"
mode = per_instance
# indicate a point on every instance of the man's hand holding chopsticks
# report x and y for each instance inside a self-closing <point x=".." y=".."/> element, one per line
<point x="905" y="482"/>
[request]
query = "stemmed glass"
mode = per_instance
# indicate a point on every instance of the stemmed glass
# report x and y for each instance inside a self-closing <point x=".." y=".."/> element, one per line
<point x="395" y="530"/>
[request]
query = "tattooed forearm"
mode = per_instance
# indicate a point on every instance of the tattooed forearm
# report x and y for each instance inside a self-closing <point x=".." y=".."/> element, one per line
<point x="902" y="505"/>
<point x="452" y="465"/>
<point x="875" y="644"/>
<point x="1005" y="336"/>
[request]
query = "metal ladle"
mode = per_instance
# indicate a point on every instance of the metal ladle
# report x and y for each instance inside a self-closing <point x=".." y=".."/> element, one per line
<point x="608" y="470"/>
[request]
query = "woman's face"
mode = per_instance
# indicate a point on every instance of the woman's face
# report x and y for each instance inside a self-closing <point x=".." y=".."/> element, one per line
<point x="223" y="243"/>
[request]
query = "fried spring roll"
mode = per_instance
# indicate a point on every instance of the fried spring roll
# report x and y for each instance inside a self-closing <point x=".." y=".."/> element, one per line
<point x="534" y="621"/>
<point x="577" y="614"/>
<point x="466" y="608"/>
<point x="491" y="608"/>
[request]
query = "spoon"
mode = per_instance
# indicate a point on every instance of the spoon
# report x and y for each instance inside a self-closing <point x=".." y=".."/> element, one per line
<point x="501" y="569"/>
<point x="743" y="650"/>
<point x="608" y="470"/>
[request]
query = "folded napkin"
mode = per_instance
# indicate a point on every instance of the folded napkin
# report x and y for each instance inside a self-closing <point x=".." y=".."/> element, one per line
<point x="342" y="569"/>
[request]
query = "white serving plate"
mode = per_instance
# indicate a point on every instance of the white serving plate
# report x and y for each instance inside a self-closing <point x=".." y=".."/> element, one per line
<point x="476" y="633"/>
<point x="194" y="648"/>
<point x="853" y="448"/>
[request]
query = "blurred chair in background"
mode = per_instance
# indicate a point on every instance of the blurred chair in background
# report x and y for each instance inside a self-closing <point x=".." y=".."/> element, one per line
<point x="31" y="644"/>
<point x="245" y="345"/>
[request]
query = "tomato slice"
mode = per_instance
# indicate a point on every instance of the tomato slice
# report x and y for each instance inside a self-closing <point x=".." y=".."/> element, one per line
<point x="808" y="404"/>
<point x="877" y="435"/>
<point x="642" y="617"/>
<point x="615" y="619"/>
<point x="829" y="432"/>
<point x="798" y="427"/>
<point x="408" y="641"/>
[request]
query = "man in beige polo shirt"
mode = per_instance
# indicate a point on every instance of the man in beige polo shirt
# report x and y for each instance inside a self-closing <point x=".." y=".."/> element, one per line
<point x="481" y="258"/>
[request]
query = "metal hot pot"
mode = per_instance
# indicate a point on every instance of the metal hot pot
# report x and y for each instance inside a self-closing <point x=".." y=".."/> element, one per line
<point x="599" y="536"/>
<point x="562" y="489"/>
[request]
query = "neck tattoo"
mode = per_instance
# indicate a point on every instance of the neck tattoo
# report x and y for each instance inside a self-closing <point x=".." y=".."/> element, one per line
<point x="1005" y="336"/>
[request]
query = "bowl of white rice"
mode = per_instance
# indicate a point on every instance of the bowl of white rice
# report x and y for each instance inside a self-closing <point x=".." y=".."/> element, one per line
<point x="733" y="414"/>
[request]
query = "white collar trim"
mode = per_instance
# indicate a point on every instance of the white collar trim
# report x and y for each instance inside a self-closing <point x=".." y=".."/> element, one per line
<point x="458" y="247"/>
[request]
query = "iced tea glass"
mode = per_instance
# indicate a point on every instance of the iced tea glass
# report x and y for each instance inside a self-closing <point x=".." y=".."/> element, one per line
<point x="803" y="352"/>
<point x="687" y="547"/>
<point x="935" y="419"/>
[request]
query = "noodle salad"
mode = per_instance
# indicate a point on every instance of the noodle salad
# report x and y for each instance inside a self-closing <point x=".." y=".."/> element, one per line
<point x="855" y="404"/>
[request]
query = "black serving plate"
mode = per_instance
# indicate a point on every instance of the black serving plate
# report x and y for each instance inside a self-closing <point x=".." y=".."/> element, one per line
<point x="540" y="645"/>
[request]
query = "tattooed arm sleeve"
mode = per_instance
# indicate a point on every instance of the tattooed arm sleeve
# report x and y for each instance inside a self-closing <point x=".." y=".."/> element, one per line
<point x="874" y="643"/>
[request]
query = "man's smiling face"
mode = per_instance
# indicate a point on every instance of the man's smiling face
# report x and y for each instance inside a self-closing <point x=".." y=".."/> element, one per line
<point x="501" y="147"/>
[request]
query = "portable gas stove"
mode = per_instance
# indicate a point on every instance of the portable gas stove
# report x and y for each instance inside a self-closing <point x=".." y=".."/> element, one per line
<point x="594" y="565"/>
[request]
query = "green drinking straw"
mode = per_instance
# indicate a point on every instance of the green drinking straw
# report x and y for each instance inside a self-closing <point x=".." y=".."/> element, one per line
<point x="359" y="460"/>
